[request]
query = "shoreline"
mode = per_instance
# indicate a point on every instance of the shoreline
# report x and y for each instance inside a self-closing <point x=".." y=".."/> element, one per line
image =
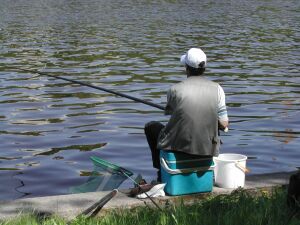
<point x="70" y="205"/>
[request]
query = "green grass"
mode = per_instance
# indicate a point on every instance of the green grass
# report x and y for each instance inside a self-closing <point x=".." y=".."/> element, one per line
<point x="235" y="209"/>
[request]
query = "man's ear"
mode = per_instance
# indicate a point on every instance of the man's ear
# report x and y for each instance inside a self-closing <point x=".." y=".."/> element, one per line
<point x="202" y="64"/>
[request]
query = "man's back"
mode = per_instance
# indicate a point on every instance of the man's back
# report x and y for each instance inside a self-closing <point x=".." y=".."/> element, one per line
<point x="192" y="128"/>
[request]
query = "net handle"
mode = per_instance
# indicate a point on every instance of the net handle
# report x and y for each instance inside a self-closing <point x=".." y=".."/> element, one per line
<point x="102" y="163"/>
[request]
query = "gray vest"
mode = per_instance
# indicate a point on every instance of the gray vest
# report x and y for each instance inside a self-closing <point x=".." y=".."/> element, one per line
<point x="193" y="126"/>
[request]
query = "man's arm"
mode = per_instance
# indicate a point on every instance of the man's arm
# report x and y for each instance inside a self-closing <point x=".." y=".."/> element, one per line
<point x="222" y="110"/>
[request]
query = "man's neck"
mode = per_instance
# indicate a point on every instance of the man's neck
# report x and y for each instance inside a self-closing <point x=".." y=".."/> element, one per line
<point x="193" y="75"/>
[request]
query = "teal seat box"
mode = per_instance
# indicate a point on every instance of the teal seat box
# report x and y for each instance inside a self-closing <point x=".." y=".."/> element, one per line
<point x="186" y="174"/>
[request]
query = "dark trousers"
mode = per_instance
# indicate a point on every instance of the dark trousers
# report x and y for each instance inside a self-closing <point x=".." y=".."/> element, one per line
<point x="152" y="130"/>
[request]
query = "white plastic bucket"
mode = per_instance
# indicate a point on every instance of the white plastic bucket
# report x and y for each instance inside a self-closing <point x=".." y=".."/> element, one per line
<point x="230" y="170"/>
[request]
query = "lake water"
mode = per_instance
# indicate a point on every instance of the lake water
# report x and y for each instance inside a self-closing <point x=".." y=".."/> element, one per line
<point x="50" y="128"/>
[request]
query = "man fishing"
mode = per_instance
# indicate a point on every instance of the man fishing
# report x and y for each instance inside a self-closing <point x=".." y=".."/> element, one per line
<point x="197" y="108"/>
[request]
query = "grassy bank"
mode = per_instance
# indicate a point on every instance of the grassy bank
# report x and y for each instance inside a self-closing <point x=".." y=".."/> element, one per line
<point x="237" y="208"/>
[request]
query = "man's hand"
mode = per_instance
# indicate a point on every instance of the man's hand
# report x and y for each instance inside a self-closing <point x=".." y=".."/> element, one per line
<point x="223" y="125"/>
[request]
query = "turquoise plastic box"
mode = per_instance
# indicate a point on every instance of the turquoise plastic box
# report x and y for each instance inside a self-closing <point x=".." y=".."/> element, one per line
<point x="186" y="174"/>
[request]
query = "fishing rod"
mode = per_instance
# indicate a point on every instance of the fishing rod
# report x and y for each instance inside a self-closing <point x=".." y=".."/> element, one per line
<point x="95" y="87"/>
<point x="101" y="89"/>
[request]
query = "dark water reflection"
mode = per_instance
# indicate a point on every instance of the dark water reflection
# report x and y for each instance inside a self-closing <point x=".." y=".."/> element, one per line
<point x="50" y="128"/>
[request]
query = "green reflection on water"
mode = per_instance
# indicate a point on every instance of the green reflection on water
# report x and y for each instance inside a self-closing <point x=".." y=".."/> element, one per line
<point x="74" y="147"/>
<point x="9" y="168"/>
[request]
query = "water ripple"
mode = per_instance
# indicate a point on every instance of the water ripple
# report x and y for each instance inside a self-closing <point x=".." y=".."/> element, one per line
<point x="51" y="127"/>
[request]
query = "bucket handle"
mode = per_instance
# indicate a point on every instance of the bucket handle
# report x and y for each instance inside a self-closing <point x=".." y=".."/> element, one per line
<point x="180" y="171"/>
<point x="244" y="169"/>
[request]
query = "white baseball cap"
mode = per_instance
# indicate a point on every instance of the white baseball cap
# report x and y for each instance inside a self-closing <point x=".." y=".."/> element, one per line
<point x="193" y="58"/>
